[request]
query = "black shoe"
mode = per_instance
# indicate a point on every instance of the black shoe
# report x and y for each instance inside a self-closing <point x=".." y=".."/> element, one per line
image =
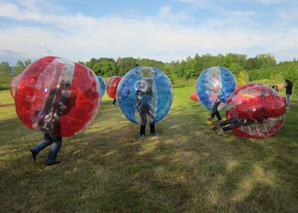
<point x="34" y="154"/>
<point x="53" y="163"/>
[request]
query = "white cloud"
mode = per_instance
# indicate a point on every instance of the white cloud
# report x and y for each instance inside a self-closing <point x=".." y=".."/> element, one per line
<point x="9" y="10"/>
<point x="79" y="37"/>
<point x="241" y="13"/>
<point x="189" y="1"/>
<point x="270" y="1"/>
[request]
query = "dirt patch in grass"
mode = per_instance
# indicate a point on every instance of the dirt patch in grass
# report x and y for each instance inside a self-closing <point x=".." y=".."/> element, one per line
<point x="6" y="105"/>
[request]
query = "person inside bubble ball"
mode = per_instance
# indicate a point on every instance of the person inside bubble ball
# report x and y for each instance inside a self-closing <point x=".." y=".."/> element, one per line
<point x="115" y="100"/>
<point x="216" y="89"/>
<point x="143" y="105"/>
<point x="245" y="117"/>
<point x="59" y="102"/>
<point x="236" y="122"/>
<point x="275" y="88"/>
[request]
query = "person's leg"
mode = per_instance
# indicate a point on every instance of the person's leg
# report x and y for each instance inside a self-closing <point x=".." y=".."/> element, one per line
<point x="288" y="100"/>
<point x="214" y="109"/>
<point x="142" y="131"/>
<point x="218" y="116"/>
<point x="114" y="102"/>
<point x="144" y="111"/>
<point x="41" y="145"/>
<point x="224" y="123"/>
<point x="229" y="121"/>
<point x="230" y="127"/>
<point x="238" y="123"/>
<point x="233" y="124"/>
<point x="152" y="130"/>
<point x="57" y="142"/>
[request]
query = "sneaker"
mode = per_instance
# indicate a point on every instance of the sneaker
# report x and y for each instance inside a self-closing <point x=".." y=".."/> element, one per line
<point x="220" y="132"/>
<point x="53" y="163"/>
<point x="154" y="133"/>
<point x="34" y="154"/>
<point x="142" y="137"/>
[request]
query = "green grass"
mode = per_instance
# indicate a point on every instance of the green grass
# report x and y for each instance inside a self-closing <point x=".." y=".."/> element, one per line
<point x="5" y="98"/>
<point x="188" y="168"/>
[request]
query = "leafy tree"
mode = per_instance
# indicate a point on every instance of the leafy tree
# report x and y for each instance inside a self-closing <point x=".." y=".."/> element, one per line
<point x="245" y="76"/>
<point x="27" y="63"/>
<point x="279" y="78"/>
<point x="150" y="63"/>
<point x="181" y="69"/>
<point x="4" y="68"/>
<point x="197" y="67"/>
<point x="19" y="67"/>
<point x="267" y="60"/>
<point x="81" y="62"/>
<point x="167" y="70"/>
<point x="235" y="68"/>
<point x="252" y="63"/>
<point x="126" y="64"/>
<point x="189" y="70"/>
<point x="105" y="67"/>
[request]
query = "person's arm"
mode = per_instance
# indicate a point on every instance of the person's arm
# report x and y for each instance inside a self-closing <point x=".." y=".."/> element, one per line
<point x="69" y="104"/>
<point x="215" y="87"/>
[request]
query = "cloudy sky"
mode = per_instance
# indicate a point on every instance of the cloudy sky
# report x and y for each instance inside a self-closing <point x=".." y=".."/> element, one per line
<point x="164" y="30"/>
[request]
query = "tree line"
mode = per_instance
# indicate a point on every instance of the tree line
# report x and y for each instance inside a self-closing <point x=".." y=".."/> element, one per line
<point x="6" y="70"/>
<point x="263" y="66"/>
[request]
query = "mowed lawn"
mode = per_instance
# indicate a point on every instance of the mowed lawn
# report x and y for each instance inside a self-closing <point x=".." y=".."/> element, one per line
<point x="188" y="168"/>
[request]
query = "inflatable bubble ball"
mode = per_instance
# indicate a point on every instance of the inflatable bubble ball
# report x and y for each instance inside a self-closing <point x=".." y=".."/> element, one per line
<point x="57" y="96"/>
<point x="215" y="83"/>
<point x="102" y="85"/>
<point x="112" y="86"/>
<point x="259" y="105"/>
<point x="145" y="95"/>
<point x="13" y="85"/>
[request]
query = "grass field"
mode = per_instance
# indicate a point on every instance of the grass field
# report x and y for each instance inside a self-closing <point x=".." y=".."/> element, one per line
<point x="188" y="168"/>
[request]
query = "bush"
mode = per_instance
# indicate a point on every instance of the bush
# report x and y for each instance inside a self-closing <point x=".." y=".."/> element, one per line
<point x="4" y="86"/>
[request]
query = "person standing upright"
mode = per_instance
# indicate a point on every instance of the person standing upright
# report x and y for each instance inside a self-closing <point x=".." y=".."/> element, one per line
<point x="289" y="87"/>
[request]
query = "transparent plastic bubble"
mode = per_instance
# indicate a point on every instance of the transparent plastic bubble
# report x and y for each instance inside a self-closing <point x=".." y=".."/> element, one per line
<point x="112" y="86"/>
<point x="145" y="95"/>
<point x="258" y="103"/>
<point x="13" y="85"/>
<point x="102" y="85"/>
<point x="57" y="96"/>
<point x="215" y="83"/>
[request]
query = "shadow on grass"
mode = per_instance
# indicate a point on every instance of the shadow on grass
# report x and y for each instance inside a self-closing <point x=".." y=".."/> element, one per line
<point x="186" y="168"/>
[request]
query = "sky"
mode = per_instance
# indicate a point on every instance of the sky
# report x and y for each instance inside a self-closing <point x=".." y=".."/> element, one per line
<point x="163" y="30"/>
